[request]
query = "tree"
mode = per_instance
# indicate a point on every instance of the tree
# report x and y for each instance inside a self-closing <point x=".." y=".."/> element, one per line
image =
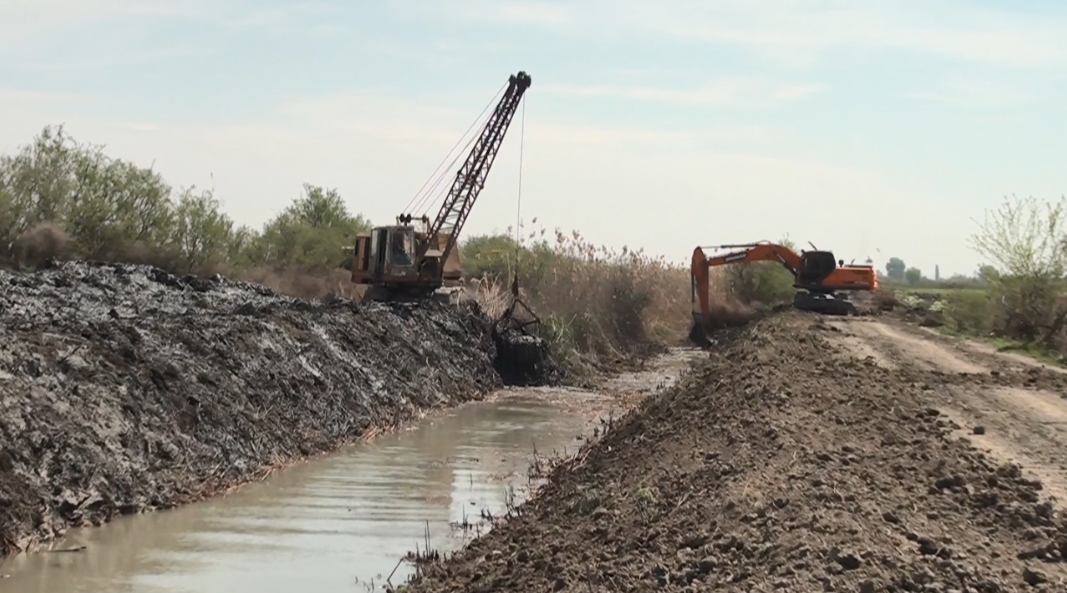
<point x="913" y="275"/>
<point x="35" y="183"/>
<point x="894" y="268"/>
<point x="1027" y="240"/>
<point x="202" y="234"/>
<point x="112" y="209"/>
<point x="987" y="273"/>
<point x="116" y="205"/>
<point x="492" y="256"/>
<point x="311" y="233"/>
<point x="105" y="205"/>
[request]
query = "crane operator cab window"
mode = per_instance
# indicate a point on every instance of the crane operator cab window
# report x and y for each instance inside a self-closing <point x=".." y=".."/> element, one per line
<point x="402" y="249"/>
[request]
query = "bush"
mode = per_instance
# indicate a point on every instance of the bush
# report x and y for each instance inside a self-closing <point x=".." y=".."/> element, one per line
<point x="969" y="312"/>
<point x="764" y="283"/>
<point x="913" y="276"/>
<point x="1027" y="240"/>
<point x="759" y="283"/>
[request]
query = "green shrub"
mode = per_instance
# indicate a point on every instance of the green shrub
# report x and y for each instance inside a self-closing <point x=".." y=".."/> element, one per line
<point x="968" y="311"/>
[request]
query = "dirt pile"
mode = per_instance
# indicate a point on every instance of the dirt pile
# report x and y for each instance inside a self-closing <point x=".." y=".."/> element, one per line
<point x="723" y="318"/>
<point x="781" y="465"/>
<point x="124" y="388"/>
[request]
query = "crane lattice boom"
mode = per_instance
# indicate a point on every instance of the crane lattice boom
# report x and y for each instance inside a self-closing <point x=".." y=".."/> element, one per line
<point x="470" y="179"/>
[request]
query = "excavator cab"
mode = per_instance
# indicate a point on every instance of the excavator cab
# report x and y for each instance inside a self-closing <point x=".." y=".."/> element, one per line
<point x="815" y="266"/>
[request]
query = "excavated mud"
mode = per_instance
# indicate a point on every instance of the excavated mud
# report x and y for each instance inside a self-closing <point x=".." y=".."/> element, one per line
<point x="783" y="463"/>
<point x="124" y="388"/>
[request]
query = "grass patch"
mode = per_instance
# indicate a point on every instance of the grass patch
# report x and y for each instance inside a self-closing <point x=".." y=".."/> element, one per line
<point x="1032" y="350"/>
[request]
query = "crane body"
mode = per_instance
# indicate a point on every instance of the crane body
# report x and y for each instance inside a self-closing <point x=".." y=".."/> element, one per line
<point x="405" y="261"/>
<point x="822" y="282"/>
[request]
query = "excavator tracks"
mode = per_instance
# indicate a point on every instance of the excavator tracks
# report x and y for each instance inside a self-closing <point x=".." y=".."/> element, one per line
<point x="826" y="304"/>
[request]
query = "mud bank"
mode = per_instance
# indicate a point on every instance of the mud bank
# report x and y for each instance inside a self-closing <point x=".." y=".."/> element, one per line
<point x="784" y="463"/>
<point x="124" y="388"/>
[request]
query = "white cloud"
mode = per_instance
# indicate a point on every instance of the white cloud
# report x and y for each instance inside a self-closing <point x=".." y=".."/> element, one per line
<point x="534" y="12"/>
<point x="19" y="97"/>
<point x="975" y="93"/>
<point x="109" y="29"/>
<point x="800" y="31"/>
<point x="750" y="92"/>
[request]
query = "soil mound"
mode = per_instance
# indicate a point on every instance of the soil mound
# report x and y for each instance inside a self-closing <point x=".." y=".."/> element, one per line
<point x="124" y="388"/>
<point x="723" y="319"/>
<point x="776" y="466"/>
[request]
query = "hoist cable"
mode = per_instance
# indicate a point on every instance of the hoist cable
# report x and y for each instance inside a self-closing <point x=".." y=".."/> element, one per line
<point x="416" y="197"/>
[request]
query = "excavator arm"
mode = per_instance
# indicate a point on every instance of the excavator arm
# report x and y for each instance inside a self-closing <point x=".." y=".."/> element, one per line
<point x="700" y="269"/>
<point x="816" y="275"/>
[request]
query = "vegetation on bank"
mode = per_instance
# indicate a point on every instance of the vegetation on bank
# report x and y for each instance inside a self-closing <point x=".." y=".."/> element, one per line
<point x="66" y="199"/>
<point x="60" y="198"/>
<point x="1019" y="300"/>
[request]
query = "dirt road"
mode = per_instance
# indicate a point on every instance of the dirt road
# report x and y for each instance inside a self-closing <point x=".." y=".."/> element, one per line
<point x="806" y="454"/>
<point x="1007" y="404"/>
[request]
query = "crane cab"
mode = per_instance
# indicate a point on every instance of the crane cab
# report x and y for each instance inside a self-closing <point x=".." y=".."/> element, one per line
<point x="401" y="261"/>
<point x="386" y="255"/>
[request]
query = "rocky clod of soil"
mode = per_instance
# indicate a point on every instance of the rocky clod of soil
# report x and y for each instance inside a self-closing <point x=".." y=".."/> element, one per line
<point x="124" y="388"/>
<point x="775" y="466"/>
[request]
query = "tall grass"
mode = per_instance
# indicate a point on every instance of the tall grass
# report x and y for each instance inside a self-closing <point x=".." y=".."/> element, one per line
<point x="597" y="304"/>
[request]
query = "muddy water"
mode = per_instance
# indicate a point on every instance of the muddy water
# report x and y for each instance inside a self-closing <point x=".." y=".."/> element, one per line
<point x="342" y="522"/>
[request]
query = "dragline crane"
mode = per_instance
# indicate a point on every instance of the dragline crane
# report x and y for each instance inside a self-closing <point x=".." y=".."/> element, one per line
<point x="403" y="262"/>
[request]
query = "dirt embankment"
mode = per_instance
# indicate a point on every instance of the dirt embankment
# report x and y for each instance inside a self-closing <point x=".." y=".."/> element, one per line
<point x="787" y="462"/>
<point x="123" y="388"/>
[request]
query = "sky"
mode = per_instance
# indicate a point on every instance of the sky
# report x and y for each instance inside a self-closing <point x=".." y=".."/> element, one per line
<point x="875" y="128"/>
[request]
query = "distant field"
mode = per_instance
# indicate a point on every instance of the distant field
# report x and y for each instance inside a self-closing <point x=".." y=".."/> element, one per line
<point x="907" y="288"/>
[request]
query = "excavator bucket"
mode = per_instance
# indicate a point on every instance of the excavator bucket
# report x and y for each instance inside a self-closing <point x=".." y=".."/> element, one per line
<point x="720" y="317"/>
<point x="698" y="336"/>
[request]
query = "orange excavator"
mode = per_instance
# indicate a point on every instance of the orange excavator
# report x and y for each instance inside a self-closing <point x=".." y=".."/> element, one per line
<point x="822" y="282"/>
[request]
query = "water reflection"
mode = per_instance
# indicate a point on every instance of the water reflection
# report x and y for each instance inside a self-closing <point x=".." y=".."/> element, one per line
<point x="321" y="526"/>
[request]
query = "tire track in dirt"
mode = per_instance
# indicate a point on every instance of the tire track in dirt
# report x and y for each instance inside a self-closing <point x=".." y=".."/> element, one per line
<point x="1018" y="416"/>
<point x="983" y="351"/>
<point x="903" y="346"/>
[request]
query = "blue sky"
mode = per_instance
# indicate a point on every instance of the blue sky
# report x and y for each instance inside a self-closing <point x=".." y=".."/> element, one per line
<point x="871" y="127"/>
